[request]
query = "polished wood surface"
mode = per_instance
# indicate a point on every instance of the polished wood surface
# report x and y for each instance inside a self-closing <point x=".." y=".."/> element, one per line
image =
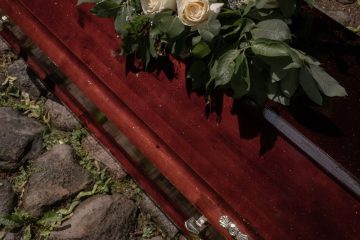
<point x="281" y="194"/>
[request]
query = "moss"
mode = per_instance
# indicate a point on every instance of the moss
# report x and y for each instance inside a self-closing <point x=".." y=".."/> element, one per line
<point x="128" y="188"/>
<point x="20" y="179"/>
<point x="145" y="228"/>
<point x="15" y="220"/>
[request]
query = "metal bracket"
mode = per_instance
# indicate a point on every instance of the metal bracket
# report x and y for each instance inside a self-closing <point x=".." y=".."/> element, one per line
<point x="233" y="230"/>
<point x="3" y="20"/>
<point x="196" y="226"/>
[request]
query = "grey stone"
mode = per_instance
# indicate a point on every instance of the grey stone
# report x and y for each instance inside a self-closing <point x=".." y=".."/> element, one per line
<point x="7" y="197"/>
<point x="340" y="16"/>
<point x="101" y="217"/>
<point x="20" y="138"/>
<point x="148" y="206"/>
<point x="98" y="153"/>
<point x="3" y="46"/>
<point x="18" y="69"/>
<point x="346" y="1"/>
<point x="10" y="236"/>
<point x="54" y="177"/>
<point x="157" y="238"/>
<point x="182" y="237"/>
<point x="61" y="117"/>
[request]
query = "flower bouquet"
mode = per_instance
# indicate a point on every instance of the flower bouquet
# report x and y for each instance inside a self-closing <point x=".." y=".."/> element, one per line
<point x="240" y="46"/>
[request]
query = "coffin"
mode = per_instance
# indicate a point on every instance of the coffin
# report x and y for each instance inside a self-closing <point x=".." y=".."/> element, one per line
<point x="284" y="173"/>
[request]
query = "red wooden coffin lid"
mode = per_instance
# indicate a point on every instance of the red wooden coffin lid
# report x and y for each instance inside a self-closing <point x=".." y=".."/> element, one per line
<point x="279" y="194"/>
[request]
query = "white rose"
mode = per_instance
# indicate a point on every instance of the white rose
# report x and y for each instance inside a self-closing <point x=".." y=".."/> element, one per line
<point x="154" y="6"/>
<point x="194" y="12"/>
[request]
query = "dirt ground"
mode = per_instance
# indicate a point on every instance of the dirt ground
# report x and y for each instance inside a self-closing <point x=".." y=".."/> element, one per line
<point x="347" y="14"/>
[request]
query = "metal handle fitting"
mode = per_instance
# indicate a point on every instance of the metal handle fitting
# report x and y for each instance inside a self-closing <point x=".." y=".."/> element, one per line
<point x="196" y="226"/>
<point x="233" y="230"/>
<point x="4" y="19"/>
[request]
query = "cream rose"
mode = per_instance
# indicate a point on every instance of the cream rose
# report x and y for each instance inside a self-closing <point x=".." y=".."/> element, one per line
<point x="154" y="6"/>
<point x="195" y="12"/>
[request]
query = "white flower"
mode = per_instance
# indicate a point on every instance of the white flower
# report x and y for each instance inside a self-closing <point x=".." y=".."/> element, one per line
<point x="194" y="12"/>
<point x="154" y="6"/>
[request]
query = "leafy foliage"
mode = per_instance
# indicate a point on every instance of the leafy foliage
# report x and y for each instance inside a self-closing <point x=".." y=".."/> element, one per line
<point x="223" y="53"/>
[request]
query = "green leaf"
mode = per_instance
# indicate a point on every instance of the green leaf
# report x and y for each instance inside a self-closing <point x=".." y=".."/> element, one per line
<point x="213" y="70"/>
<point x="274" y="93"/>
<point x="226" y="67"/>
<point x="108" y="8"/>
<point x="208" y="30"/>
<point x="274" y="29"/>
<point x="327" y="84"/>
<point x="260" y="3"/>
<point x="290" y="83"/>
<point x="310" y="2"/>
<point x="247" y="26"/>
<point x="240" y="82"/>
<point x="175" y="28"/>
<point x="279" y="66"/>
<point x="153" y="37"/>
<point x="303" y="57"/>
<point x="240" y="27"/>
<point x="158" y="16"/>
<point x="248" y="7"/>
<point x="308" y="83"/>
<point x="270" y="48"/>
<point x="87" y="1"/>
<point x="201" y="50"/>
<point x="195" y="40"/>
<point x="120" y="22"/>
<point x="169" y="24"/>
<point x="237" y="25"/>
<point x="27" y="233"/>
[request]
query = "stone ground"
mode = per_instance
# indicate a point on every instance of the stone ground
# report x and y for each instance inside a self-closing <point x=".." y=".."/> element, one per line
<point x="56" y="181"/>
<point x="346" y="12"/>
